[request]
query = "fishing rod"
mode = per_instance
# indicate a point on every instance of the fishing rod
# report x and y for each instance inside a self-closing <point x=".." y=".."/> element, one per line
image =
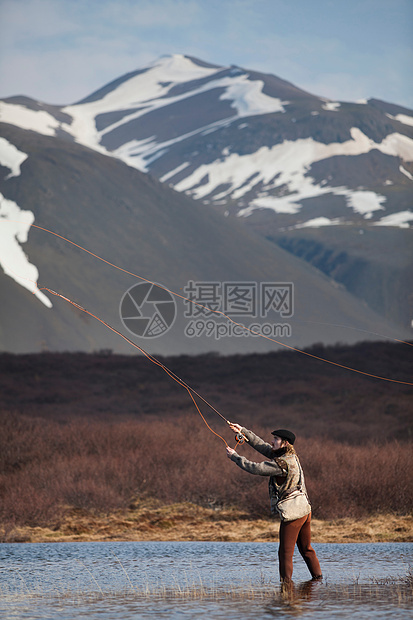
<point x="240" y="437"/>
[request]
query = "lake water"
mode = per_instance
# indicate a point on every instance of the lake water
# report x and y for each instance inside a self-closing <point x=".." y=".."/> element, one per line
<point x="134" y="580"/>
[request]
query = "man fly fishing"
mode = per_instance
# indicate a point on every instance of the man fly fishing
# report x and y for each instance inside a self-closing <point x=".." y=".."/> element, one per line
<point x="288" y="495"/>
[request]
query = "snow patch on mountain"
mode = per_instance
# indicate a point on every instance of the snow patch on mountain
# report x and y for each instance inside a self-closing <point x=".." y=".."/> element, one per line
<point x="36" y="120"/>
<point x="331" y="106"/>
<point x="15" y="224"/>
<point x="402" y="118"/>
<point x="361" y="201"/>
<point x="284" y="168"/>
<point x="397" y="145"/>
<point x="401" y="219"/>
<point x="11" y="157"/>
<point x="174" y="172"/>
<point x="248" y="99"/>
<point x="406" y="173"/>
<point x="142" y="153"/>
<point x="318" y="222"/>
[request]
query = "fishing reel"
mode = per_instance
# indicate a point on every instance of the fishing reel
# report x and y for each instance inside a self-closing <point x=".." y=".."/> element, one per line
<point x="240" y="438"/>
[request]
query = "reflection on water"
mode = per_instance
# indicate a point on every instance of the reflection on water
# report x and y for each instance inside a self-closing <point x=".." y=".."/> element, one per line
<point x="214" y="580"/>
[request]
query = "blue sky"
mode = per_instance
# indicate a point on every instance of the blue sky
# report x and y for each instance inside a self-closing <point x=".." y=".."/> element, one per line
<point x="59" y="51"/>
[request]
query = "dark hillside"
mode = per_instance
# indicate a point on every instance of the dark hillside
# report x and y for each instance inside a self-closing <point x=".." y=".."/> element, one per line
<point x="276" y="389"/>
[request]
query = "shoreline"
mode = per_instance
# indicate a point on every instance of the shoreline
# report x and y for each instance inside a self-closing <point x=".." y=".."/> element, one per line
<point x="151" y="521"/>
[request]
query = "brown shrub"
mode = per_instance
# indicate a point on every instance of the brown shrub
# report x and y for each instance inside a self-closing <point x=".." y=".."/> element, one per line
<point x="353" y="481"/>
<point x="101" y="465"/>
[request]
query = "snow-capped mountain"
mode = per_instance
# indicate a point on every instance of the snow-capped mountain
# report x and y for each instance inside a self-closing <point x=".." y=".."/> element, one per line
<point x="330" y="182"/>
<point x="134" y="221"/>
<point x="245" y="142"/>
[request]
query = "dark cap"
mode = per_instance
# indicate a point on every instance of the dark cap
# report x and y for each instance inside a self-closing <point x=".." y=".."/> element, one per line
<point x="284" y="434"/>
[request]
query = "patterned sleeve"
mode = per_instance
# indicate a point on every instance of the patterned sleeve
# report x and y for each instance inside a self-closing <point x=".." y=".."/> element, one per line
<point x="258" y="444"/>
<point x="267" y="468"/>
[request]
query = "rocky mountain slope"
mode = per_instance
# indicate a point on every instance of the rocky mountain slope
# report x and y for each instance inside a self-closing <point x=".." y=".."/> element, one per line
<point x="134" y="221"/>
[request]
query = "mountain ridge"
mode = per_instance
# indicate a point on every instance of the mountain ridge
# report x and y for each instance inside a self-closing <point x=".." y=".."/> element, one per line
<point x="243" y="141"/>
<point x="133" y="220"/>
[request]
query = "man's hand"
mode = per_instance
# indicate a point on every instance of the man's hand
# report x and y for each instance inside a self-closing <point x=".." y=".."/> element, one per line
<point x="230" y="451"/>
<point x="235" y="427"/>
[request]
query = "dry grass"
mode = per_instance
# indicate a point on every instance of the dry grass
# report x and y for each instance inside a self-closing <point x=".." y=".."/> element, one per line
<point x="392" y="592"/>
<point x="150" y="521"/>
